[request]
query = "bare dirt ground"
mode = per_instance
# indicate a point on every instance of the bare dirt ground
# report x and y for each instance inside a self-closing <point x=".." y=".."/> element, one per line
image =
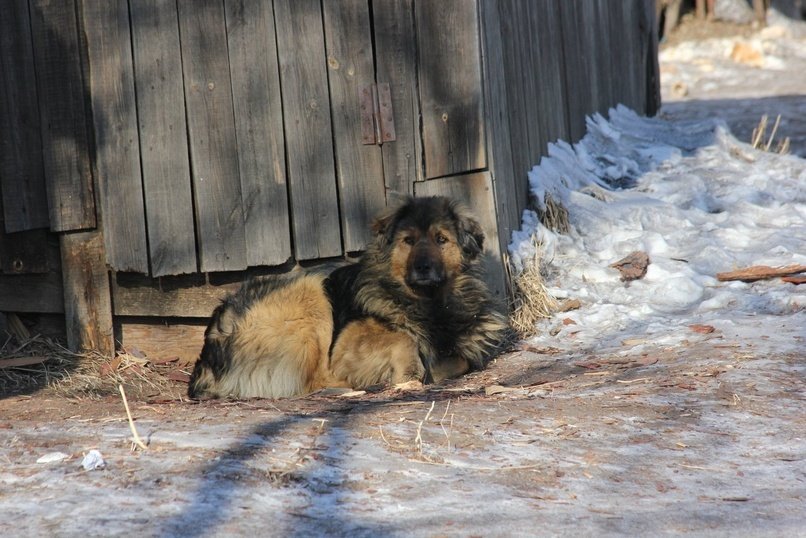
<point x="699" y="434"/>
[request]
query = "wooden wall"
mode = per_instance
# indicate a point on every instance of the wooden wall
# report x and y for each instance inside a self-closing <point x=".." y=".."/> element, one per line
<point x="181" y="145"/>
<point x="548" y="65"/>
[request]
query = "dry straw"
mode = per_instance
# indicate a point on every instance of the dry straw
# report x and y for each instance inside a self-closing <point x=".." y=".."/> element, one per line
<point x="530" y="300"/>
<point x="760" y="140"/>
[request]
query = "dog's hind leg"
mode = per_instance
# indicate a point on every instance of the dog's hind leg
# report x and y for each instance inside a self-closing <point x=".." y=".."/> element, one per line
<point x="369" y="353"/>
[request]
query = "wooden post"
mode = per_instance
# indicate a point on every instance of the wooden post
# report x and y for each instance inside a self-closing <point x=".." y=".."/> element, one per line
<point x="87" y="297"/>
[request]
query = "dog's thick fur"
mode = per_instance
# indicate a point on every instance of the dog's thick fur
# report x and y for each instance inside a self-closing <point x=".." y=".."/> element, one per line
<point x="413" y="308"/>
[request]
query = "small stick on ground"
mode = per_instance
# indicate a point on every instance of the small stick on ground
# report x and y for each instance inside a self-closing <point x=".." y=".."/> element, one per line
<point x="418" y="440"/>
<point x="760" y="272"/>
<point x="137" y="441"/>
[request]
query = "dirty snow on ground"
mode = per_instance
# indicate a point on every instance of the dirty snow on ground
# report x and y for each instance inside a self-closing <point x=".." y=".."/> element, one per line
<point x="697" y="201"/>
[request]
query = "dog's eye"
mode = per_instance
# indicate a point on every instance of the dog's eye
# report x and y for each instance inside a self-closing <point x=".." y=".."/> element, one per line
<point x="409" y="240"/>
<point x="441" y="239"/>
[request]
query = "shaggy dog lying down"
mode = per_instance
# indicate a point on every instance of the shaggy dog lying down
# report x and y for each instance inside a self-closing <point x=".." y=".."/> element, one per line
<point x="413" y="308"/>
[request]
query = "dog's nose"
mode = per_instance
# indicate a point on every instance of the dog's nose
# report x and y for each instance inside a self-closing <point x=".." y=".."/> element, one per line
<point x="426" y="271"/>
<point x="423" y="265"/>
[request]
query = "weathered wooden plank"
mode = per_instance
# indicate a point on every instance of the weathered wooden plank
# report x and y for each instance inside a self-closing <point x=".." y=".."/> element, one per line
<point x="24" y="252"/>
<point x="211" y="131"/>
<point x="621" y="58"/>
<point x="31" y="284"/>
<point x="449" y="68"/>
<point x="395" y="59"/>
<point x="475" y="191"/>
<point x="22" y="177"/>
<point x="163" y="137"/>
<point x="583" y="84"/>
<point x="35" y="293"/>
<point x="162" y="340"/>
<point x="309" y="134"/>
<point x="653" y="98"/>
<point x="87" y="298"/>
<point x="117" y="147"/>
<point x="514" y="72"/>
<point x="552" y="101"/>
<point x="359" y="167"/>
<point x="63" y="115"/>
<point x="648" y="42"/>
<point x="506" y="182"/>
<point x="599" y="18"/>
<point x="184" y="296"/>
<point x="633" y="33"/>
<point x="527" y="17"/>
<point x="259" y="130"/>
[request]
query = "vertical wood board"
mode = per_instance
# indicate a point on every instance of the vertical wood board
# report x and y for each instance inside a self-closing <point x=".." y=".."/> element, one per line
<point x="514" y="72"/>
<point x="395" y="59"/>
<point x="551" y="98"/>
<point x="220" y="234"/>
<point x="22" y="176"/>
<point x="506" y="182"/>
<point x="476" y="192"/>
<point x="653" y="98"/>
<point x="449" y="74"/>
<point x="259" y="130"/>
<point x="359" y="167"/>
<point x="117" y="147"/>
<point x="163" y="137"/>
<point x="580" y="64"/>
<point x="63" y="115"/>
<point x="308" y="130"/>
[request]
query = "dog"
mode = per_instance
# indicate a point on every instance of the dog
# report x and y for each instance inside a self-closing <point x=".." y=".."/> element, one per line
<point x="413" y="308"/>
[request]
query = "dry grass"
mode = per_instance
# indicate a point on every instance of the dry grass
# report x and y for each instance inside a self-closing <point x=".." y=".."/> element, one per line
<point x="530" y="300"/>
<point x="555" y="217"/>
<point x="73" y="375"/>
<point x="51" y="363"/>
<point x="760" y="140"/>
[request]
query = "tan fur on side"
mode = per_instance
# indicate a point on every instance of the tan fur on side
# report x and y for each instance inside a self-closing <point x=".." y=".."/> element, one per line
<point x="368" y="353"/>
<point x="280" y="344"/>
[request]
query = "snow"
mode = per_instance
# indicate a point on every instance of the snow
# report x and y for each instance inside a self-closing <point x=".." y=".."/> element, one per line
<point x="689" y="194"/>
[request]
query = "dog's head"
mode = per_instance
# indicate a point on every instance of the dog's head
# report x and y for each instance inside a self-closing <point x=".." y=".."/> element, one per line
<point x="429" y="241"/>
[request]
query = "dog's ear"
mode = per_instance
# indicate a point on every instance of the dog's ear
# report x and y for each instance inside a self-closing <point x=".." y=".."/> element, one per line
<point x="469" y="232"/>
<point x="383" y="226"/>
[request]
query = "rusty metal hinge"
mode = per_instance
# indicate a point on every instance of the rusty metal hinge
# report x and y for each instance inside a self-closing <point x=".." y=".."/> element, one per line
<point x="377" y="119"/>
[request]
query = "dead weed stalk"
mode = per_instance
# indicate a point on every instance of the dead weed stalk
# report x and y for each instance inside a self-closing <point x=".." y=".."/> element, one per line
<point x="760" y="134"/>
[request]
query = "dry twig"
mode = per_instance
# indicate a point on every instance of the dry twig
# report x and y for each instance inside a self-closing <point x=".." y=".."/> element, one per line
<point x="136" y="441"/>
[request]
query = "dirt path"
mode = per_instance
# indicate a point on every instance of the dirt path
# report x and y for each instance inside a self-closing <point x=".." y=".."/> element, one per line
<point x="702" y="437"/>
<point x="701" y="432"/>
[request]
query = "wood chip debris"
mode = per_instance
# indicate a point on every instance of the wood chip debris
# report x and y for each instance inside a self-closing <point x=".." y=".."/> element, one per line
<point x="633" y="266"/>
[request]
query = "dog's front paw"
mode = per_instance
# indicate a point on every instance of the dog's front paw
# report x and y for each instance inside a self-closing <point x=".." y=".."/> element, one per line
<point x="409" y="386"/>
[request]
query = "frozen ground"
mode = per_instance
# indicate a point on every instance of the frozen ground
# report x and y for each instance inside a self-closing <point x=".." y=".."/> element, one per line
<point x="672" y="405"/>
